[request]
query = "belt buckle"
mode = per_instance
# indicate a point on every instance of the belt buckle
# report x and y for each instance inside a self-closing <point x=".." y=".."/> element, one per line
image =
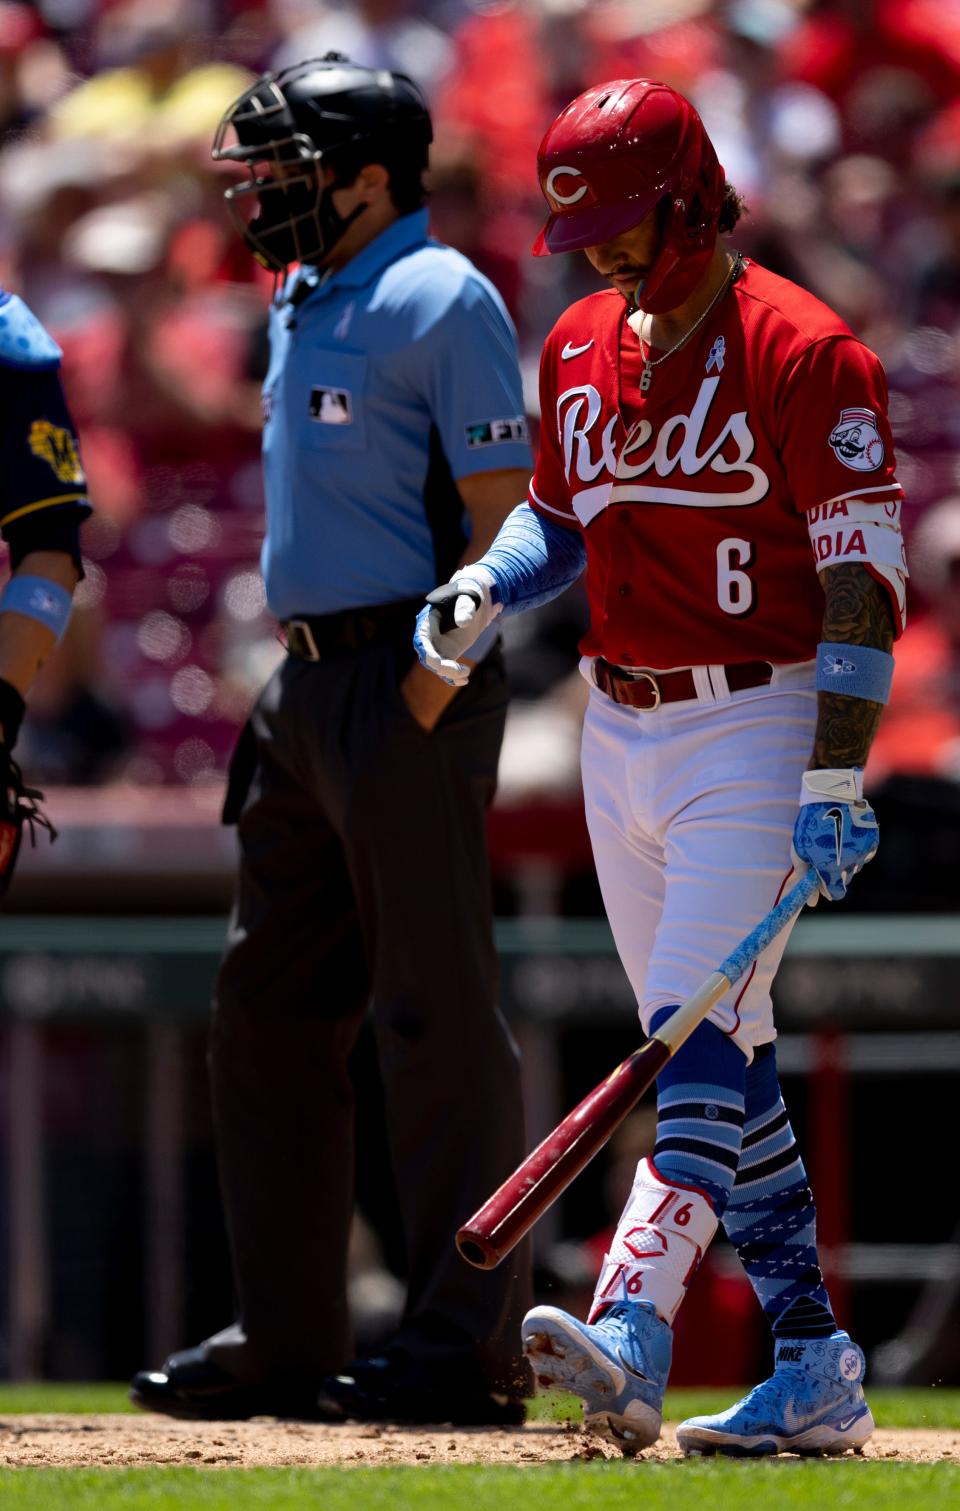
<point x="657" y="699"/>
<point x="302" y="628"/>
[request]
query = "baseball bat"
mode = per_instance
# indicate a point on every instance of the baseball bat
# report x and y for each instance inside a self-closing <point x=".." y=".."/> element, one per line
<point x="535" y="1185"/>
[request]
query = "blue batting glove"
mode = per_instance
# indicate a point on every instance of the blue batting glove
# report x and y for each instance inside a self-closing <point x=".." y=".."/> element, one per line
<point x="455" y="616"/>
<point x="836" y="830"/>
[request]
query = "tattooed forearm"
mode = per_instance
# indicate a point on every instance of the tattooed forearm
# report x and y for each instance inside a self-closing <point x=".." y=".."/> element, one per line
<point x="845" y="730"/>
<point x="857" y="612"/>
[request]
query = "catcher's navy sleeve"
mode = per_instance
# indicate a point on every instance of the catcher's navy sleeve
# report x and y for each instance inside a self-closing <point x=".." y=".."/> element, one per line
<point x="43" y="495"/>
<point x="41" y="459"/>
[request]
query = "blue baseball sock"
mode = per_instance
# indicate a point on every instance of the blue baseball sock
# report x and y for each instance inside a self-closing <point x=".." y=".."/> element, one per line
<point x="770" y="1218"/>
<point x="700" y="1112"/>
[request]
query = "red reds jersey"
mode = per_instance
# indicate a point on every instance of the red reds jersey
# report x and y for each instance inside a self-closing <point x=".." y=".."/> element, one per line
<point x="700" y="499"/>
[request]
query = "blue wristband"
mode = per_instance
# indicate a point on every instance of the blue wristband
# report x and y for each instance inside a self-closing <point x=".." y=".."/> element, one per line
<point x="857" y="671"/>
<point x="40" y="599"/>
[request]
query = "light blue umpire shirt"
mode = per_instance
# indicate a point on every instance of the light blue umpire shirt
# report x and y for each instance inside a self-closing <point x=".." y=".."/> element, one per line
<point x="388" y="379"/>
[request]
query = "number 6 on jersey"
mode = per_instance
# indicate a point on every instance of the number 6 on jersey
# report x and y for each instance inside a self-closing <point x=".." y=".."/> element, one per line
<point x="735" y="590"/>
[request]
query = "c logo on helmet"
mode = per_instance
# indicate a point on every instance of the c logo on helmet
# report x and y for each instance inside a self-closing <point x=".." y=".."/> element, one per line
<point x="565" y="199"/>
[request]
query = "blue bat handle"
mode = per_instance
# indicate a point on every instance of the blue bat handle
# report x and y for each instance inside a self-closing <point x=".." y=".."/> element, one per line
<point x="746" y="952"/>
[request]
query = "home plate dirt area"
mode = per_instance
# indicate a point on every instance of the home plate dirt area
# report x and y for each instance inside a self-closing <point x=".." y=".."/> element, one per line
<point x="104" y="1441"/>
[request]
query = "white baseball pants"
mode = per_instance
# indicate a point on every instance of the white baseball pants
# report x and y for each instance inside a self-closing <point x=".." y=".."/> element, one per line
<point x="691" y="811"/>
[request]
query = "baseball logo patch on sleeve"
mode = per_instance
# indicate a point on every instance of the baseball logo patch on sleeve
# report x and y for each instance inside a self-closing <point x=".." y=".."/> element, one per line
<point x="56" y="446"/>
<point x="856" y="440"/>
<point x="494" y="432"/>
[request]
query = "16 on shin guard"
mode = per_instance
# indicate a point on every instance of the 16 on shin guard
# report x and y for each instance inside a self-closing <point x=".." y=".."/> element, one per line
<point x="662" y="1236"/>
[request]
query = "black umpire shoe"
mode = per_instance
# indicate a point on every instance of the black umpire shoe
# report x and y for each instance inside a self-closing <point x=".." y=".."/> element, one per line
<point x="394" y="1388"/>
<point x="191" y="1385"/>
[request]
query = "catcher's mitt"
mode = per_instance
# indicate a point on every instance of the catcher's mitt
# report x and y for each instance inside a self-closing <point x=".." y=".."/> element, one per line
<point x="18" y="807"/>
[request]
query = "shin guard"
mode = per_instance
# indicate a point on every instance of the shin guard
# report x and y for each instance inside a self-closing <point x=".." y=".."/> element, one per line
<point x="662" y="1236"/>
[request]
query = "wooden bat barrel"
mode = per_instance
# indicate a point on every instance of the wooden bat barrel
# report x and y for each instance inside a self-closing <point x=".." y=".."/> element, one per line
<point x="513" y="1209"/>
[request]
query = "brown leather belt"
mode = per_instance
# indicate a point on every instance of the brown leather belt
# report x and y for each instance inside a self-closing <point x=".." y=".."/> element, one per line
<point x="312" y="636"/>
<point x="647" y="690"/>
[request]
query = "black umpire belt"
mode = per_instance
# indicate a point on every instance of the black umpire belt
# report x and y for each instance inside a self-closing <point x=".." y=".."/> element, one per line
<point x="312" y="636"/>
<point x="647" y="690"/>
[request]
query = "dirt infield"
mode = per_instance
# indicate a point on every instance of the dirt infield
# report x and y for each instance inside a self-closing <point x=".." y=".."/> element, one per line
<point x="92" y="1442"/>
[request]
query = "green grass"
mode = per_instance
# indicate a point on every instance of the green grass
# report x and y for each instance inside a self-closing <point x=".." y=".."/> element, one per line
<point x="704" y="1485"/>
<point x="927" y="1407"/>
<point x="75" y="1399"/>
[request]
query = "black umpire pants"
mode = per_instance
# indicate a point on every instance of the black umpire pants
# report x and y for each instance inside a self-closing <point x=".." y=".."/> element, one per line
<point x="364" y="881"/>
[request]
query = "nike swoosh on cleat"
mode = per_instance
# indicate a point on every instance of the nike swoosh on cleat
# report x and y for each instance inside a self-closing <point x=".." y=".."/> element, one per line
<point x="848" y="1422"/>
<point x="637" y="1373"/>
<point x="793" y="1422"/>
<point x="574" y="351"/>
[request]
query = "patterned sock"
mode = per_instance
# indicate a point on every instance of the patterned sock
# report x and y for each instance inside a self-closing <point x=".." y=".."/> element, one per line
<point x="700" y="1112"/>
<point x="771" y="1219"/>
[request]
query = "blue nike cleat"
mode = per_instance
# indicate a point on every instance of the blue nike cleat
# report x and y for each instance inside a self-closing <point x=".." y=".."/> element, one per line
<point x="618" y="1367"/>
<point x="813" y="1403"/>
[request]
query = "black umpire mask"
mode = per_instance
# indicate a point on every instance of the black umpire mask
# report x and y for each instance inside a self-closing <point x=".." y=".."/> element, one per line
<point x="296" y="221"/>
<point x="288" y="129"/>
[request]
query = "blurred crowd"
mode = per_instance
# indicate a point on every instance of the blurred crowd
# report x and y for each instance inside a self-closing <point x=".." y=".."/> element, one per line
<point x="839" y="121"/>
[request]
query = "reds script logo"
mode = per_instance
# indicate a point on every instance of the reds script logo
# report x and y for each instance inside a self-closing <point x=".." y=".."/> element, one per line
<point x="680" y="443"/>
<point x="856" y="440"/>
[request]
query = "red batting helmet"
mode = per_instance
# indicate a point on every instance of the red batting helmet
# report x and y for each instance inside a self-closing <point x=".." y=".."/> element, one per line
<point x="610" y="158"/>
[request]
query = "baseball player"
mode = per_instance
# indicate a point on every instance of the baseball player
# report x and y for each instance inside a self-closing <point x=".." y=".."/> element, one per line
<point x="394" y="429"/>
<point x="716" y="453"/>
<point x="44" y="501"/>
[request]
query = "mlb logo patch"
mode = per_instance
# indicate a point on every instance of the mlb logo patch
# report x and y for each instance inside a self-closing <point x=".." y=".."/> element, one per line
<point x="493" y="432"/>
<point x="856" y="441"/>
<point x="331" y="406"/>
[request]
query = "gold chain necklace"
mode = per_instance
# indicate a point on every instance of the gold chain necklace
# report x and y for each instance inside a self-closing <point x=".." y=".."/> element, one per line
<point x="646" y="377"/>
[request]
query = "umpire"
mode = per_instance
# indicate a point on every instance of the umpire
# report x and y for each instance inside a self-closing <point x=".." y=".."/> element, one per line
<point x="393" y="414"/>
